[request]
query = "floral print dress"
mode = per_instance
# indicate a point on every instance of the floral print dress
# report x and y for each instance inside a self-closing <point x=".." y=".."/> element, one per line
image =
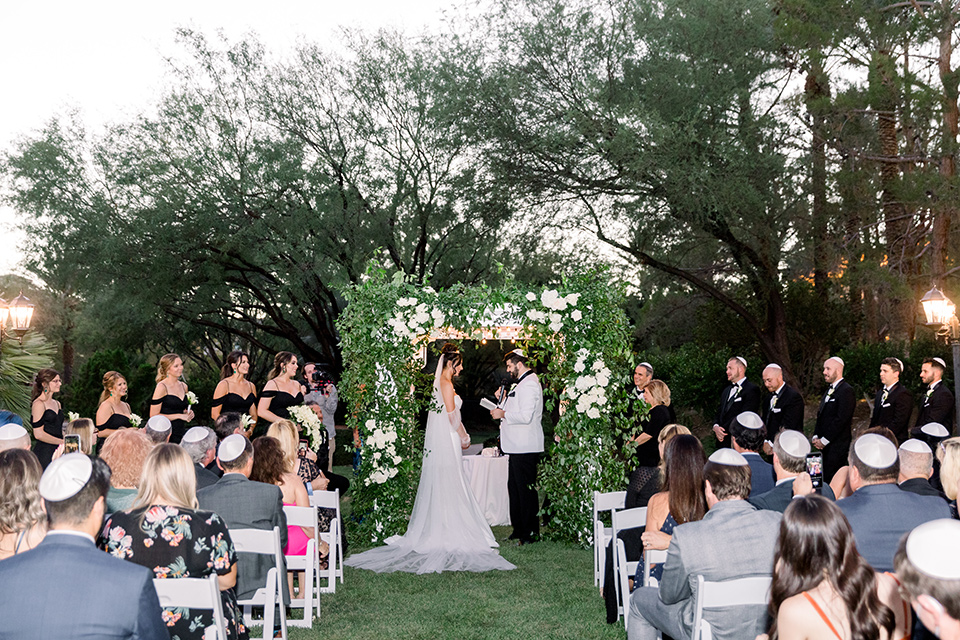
<point x="174" y="542"/>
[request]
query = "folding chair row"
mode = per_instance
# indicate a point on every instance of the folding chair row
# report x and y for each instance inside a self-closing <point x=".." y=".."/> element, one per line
<point x="601" y="533"/>
<point x="334" y="570"/>
<point x="622" y="570"/>
<point x="195" y="593"/>
<point x="309" y="564"/>
<point x="270" y="596"/>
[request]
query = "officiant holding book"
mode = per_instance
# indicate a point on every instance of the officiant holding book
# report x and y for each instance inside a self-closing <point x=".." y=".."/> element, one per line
<point x="521" y="437"/>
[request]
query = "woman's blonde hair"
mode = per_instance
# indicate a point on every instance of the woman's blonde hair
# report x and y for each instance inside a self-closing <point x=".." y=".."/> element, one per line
<point x="657" y="392"/>
<point x="289" y="436"/>
<point x="671" y="431"/>
<point x="166" y="361"/>
<point x="168" y="478"/>
<point x="950" y="467"/>
<point x="110" y="381"/>
<point x="83" y="427"/>
<point x="21" y="507"/>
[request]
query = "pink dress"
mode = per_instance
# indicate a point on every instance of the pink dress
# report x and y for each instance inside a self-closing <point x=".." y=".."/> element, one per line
<point x="296" y="538"/>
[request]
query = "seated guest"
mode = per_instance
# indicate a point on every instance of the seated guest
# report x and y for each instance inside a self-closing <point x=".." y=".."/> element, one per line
<point x="880" y="512"/>
<point x="733" y="540"/>
<point x="928" y="566"/>
<point x="823" y="588"/>
<point x="270" y="467"/>
<point x="304" y="462"/>
<point x="949" y="453"/>
<point x="200" y="443"/>
<point x="166" y="533"/>
<point x="9" y="417"/>
<point x="681" y="501"/>
<point x="645" y="476"/>
<point x="933" y="433"/>
<point x="748" y="435"/>
<point x="66" y="588"/>
<point x="84" y="428"/>
<point x="841" y="481"/>
<point x="23" y="522"/>
<point x="14" y="436"/>
<point x="916" y="467"/>
<point x="243" y="504"/>
<point x="158" y="429"/>
<point x="790" y="449"/>
<point x="125" y="451"/>
<point x="227" y="424"/>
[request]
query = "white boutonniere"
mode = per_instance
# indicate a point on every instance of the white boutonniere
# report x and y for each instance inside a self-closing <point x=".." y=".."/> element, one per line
<point x="929" y="392"/>
<point x="773" y="402"/>
<point x="830" y="391"/>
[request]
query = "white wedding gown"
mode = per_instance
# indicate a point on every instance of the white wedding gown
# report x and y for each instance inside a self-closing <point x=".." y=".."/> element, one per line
<point x="447" y="529"/>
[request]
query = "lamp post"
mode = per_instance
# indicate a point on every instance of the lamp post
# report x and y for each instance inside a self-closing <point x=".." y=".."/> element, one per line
<point x="19" y="312"/>
<point x="940" y="312"/>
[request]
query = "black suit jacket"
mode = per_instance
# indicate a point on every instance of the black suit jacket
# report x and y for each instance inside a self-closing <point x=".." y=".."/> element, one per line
<point x="788" y="414"/>
<point x="921" y="486"/>
<point x="67" y="589"/>
<point x="730" y="407"/>
<point x="893" y="414"/>
<point x="778" y="498"/>
<point x="835" y="414"/>
<point x="244" y="504"/>
<point x="938" y="407"/>
<point x="205" y="477"/>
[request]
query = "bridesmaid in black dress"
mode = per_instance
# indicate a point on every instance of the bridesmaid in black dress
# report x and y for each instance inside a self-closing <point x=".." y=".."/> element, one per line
<point x="234" y="393"/>
<point x="281" y="392"/>
<point x="46" y="415"/>
<point x="113" y="413"/>
<point x="170" y="396"/>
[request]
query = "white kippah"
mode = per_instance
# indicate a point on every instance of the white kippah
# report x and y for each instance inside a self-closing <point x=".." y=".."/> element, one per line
<point x="195" y="434"/>
<point x="940" y="362"/>
<point x="518" y="352"/>
<point x="774" y="366"/>
<point x="900" y="362"/>
<point x="12" y="431"/>
<point x="742" y="360"/>
<point x="231" y="447"/>
<point x="794" y="443"/>
<point x="159" y="423"/>
<point x="750" y="420"/>
<point x="65" y="477"/>
<point x="647" y="365"/>
<point x="932" y="548"/>
<point x="875" y="451"/>
<point x="837" y="358"/>
<point x="935" y="429"/>
<point x="916" y="446"/>
<point x="728" y="457"/>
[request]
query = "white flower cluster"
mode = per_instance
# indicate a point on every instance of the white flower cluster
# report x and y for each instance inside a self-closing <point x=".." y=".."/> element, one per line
<point x="135" y="420"/>
<point x="191" y="398"/>
<point x="72" y="415"/>
<point x="246" y="421"/>
<point x="310" y="424"/>
<point x="381" y="444"/>
<point x="412" y="319"/>
<point x="551" y="299"/>
<point x="589" y="389"/>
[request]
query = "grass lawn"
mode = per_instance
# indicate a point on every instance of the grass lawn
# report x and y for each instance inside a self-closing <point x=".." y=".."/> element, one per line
<point x="549" y="595"/>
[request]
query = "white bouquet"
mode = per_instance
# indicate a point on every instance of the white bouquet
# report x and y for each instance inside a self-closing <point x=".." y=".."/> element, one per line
<point x="247" y="421"/>
<point x="310" y="425"/>
<point x="135" y="420"/>
<point x="191" y="398"/>
<point x="72" y="415"/>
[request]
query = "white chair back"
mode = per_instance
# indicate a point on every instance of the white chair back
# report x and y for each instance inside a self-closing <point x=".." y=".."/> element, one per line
<point x="331" y="500"/>
<point x="727" y="593"/>
<point x="308" y="563"/>
<point x="622" y="570"/>
<point x="601" y="533"/>
<point x="651" y="557"/>
<point x="270" y="596"/>
<point x="195" y="593"/>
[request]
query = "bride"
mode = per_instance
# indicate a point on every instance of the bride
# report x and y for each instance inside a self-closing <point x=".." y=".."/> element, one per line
<point x="447" y="530"/>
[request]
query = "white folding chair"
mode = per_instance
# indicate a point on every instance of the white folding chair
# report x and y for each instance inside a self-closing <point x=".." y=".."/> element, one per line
<point x="195" y="593"/>
<point x="331" y="500"/>
<point x="622" y="570"/>
<point x="601" y="533"/>
<point x="309" y="563"/>
<point x="270" y="596"/>
<point x="651" y="557"/>
<point x="727" y="593"/>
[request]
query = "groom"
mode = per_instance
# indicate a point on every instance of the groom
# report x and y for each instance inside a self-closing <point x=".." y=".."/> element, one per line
<point x="521" y="437"/>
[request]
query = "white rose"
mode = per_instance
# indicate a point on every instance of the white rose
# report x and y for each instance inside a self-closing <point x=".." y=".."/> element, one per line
<point x="422" y="317"/>
<point x="370" y="424"/>
<point x="571" y="392"/>
<point x="572" y="299"/>
<point x="583" y="404"/>
<point x="579" y="366"/>
<point x="397" y="459"/>
<point x="576" y="315"/>
<point x="392" y="473"/>
<point x="376" y="455"/>
<point x="438" y="316"/>
<point x="585" y="382"/>
<point x="598" y="365"/>
<point x="602" y="380"/>
<point x="593" y="413"/>
<point x="531" y="296"/>
<point x="556" y="326"/>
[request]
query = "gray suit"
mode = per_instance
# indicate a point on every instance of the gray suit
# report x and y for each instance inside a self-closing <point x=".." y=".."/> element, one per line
<point x="66" y="588"/>
<point x="880" y="514"/>
<point x="734" y="540"/>
<point x="244" y="504"/>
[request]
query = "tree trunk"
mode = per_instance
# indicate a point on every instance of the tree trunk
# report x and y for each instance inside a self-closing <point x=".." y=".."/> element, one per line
<point x="816" y="96"/>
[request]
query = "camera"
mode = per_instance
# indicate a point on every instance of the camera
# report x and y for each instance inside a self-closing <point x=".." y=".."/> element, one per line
<point x="320" y="378"/>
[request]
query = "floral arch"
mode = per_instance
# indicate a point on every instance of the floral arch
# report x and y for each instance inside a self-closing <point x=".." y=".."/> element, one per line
<point x="580" y="327"/>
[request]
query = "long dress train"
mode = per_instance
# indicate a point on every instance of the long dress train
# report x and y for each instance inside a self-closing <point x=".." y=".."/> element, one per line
<point x="447" y="529"/>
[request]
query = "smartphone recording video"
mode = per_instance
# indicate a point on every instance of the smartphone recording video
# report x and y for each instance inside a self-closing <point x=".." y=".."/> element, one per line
<point x="71" y="443"/>
<point x="815" y="469"/>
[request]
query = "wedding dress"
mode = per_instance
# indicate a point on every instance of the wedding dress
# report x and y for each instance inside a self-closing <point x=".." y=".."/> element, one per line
<point x="447" y="529"/>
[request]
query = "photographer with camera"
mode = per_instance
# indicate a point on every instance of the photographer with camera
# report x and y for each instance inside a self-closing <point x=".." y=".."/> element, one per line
<point x="322" y="391"/>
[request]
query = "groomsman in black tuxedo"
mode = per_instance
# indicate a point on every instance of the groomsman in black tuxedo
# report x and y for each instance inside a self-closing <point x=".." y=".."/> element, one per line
<point x="834" y="418"/>
<point x="894" y="402"/>
<point x="739" y="396"/>
<point x="936" y="405"/>
<point x="784" y="409"/>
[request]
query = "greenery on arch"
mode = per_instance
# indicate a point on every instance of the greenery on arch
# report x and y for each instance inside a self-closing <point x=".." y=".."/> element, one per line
<point x="578" y="328"/>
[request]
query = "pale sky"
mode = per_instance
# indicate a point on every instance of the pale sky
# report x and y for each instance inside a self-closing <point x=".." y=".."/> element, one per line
<point x="106" y="58"/>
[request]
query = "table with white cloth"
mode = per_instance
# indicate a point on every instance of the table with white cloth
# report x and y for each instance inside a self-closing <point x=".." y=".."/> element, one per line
<point x="488" y="479"/>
